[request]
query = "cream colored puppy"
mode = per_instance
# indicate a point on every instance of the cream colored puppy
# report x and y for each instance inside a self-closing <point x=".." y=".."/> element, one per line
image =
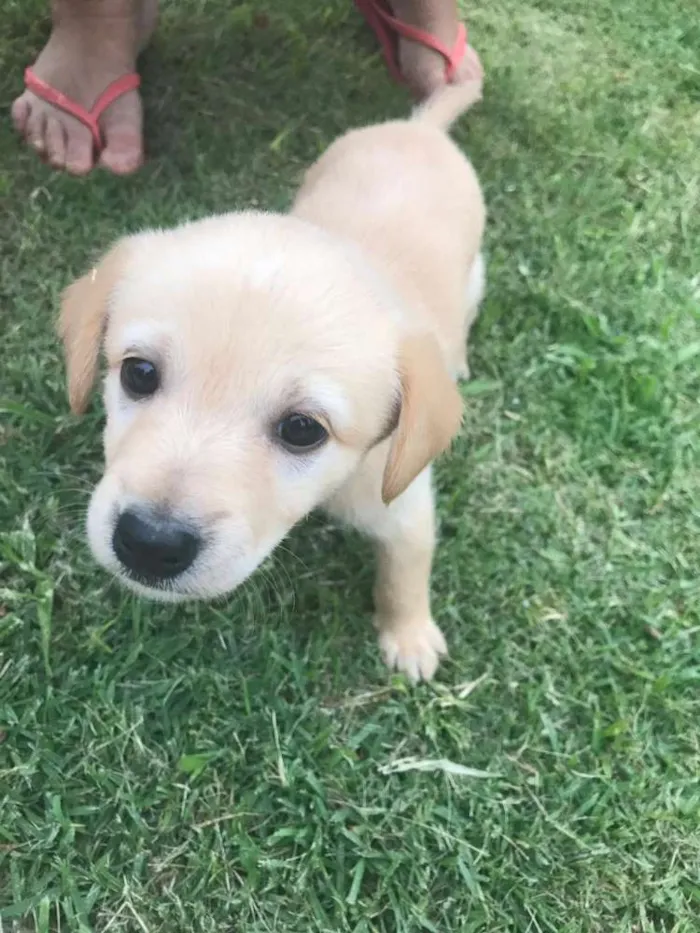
<point x="262" y="365"/>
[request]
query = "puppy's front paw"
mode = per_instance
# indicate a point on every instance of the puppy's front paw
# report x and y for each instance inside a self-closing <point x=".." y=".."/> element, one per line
<point x="414" y="648"/>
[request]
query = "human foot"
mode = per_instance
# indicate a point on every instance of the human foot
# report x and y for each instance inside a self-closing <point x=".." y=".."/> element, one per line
<point x="434" y="22"/>
<point x="93" y="43"/>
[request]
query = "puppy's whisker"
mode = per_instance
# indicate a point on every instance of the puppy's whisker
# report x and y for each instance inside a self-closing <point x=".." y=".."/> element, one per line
<point x="77" y="483"/>
<point x="273" y="568"/>
<point x="285" y="549"/>
<point x="252" y="592"/>
<point x="258" y="587"/>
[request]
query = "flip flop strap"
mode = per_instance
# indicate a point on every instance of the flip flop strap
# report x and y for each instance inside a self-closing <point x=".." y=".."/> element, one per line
<point x="452" y="56"/>
<point x="371" y="12"/>
<point x="88" y="118"/>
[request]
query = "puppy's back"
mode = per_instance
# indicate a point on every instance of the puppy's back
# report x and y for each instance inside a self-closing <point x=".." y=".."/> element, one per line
<point x="406" y="193"/>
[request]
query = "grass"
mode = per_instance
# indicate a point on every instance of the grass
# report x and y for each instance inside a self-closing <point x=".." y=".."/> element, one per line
<point x="233" y="768"/>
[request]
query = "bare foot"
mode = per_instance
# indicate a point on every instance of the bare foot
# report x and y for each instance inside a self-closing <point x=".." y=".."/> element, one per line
<point x="423" y="68"/>
<point x="93" y="42"/>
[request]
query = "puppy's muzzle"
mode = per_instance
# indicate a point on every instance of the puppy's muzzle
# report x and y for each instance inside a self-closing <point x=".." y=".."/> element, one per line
<point x="154" y="548"/>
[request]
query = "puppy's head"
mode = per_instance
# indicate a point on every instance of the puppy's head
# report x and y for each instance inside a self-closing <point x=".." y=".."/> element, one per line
<point x="252" y="362"/>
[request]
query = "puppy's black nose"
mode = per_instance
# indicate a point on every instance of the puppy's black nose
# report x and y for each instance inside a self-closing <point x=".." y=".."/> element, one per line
<point x="153" y="548"/>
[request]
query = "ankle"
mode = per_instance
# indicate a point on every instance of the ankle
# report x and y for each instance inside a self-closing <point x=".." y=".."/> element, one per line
<point x="95" y="29"/>
<point x="434" y="17"/>
<point x="105" y="12"/>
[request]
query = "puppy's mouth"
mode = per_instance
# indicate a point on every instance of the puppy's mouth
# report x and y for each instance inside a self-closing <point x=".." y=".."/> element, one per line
<point x="172" y="592"/>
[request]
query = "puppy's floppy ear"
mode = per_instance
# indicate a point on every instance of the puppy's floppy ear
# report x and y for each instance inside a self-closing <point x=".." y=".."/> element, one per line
<point x="430" y="416"/>
<point x="84" y="307"/>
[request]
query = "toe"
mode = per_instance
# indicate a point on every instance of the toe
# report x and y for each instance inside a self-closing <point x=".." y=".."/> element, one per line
<point x="78" y="149"/>
<point x="20" y="113"/>
<point x="55" y="143"/>
<point x="35" y="129"/>
<point x="123" y="149"/>
<point x="57" y="138"/>
<point x="123" y="152"/>
<point x="123" y="136"/>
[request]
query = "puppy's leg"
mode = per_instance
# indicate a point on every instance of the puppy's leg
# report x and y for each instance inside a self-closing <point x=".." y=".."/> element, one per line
<point x="408" y="638"/>
<point x="404" y="533"/>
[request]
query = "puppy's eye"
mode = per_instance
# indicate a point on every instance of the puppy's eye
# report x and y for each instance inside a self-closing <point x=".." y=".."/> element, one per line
<point x="300" y="433"/>
<point x="139" y="377"/>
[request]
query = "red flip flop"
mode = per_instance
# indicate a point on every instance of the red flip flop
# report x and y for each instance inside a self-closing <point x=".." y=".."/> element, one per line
<point x="88" y="118"/>
<point x="386" y="27"/>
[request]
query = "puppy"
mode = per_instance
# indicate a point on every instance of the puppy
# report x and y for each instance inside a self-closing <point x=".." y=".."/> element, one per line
<point x="262" y="365"/>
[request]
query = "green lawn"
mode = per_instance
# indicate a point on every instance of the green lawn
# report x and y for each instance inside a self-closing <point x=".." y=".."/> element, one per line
<point x="229" y="768"/>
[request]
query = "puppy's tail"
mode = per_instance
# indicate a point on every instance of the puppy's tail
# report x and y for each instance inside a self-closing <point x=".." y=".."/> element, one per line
<point x="447" y="104"/>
